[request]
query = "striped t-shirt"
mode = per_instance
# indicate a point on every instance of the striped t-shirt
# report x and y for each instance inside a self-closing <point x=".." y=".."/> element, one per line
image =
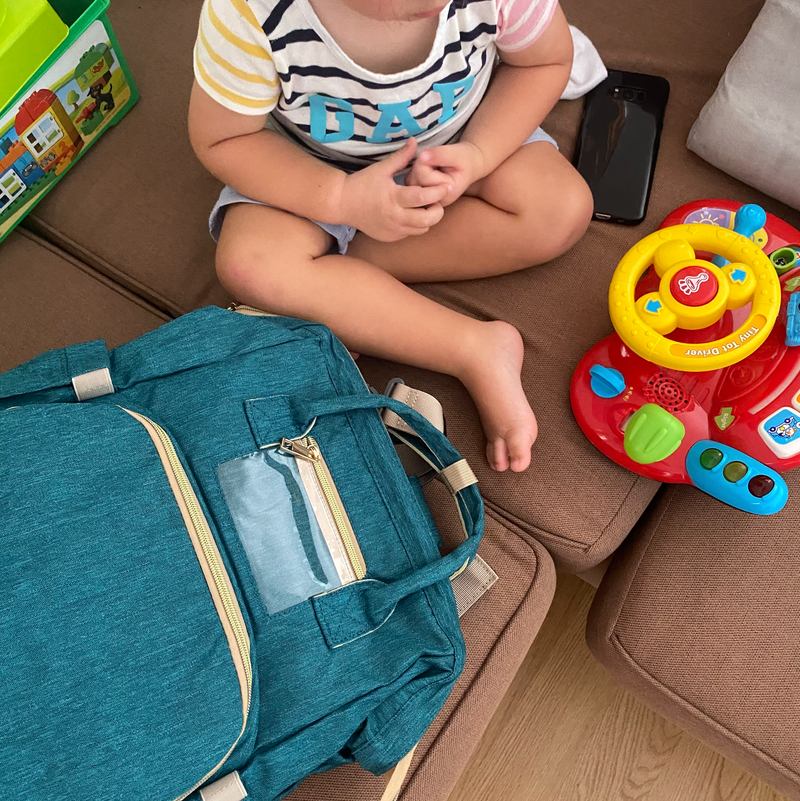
<point x="259" y="56"/>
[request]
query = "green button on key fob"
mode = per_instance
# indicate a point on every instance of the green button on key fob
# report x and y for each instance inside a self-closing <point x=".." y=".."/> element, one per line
<point x="652" y="434"/>
<point x="735" y="471"/>
<point x="710" y="458"/>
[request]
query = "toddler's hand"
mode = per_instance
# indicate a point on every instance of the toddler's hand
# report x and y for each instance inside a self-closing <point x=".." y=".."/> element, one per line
<point x="372" y="202"/>
<point x="456" y="166"/>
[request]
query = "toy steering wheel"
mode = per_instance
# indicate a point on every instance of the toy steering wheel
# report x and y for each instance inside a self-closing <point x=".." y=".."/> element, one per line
<point x="694" y="294"/>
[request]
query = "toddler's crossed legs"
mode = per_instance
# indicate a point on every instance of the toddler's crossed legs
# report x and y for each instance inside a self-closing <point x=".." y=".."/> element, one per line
<point x="533" y="207"/>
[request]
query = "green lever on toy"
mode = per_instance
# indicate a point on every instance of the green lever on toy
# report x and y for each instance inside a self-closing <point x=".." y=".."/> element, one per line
<point x="652" y="434"/>
<point x="784" y="260"/>
<point x="30" y="30"/>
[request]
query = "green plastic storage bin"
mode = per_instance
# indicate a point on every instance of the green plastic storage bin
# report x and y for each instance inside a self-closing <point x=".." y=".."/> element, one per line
<point x="29" y="32"/>
<point x="61" y="107"/>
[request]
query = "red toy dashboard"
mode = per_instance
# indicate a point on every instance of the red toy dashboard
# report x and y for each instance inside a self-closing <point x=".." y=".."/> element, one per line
<point x="730" y="430"/>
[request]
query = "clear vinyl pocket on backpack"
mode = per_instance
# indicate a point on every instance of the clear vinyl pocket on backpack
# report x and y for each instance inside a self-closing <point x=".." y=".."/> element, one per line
<point x="291" y="522"/>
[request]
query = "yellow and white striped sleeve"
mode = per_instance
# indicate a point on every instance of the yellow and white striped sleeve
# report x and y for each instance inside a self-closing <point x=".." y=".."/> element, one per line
<point x="232" y="62"/>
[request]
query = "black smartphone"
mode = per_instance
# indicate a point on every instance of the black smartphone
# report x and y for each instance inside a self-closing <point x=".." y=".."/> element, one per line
<point x="618" y="143"/>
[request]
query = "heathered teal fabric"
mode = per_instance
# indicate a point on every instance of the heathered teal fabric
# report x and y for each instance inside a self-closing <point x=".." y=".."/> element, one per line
<point x="112" y="649"/>
<point x="354" y="674"/>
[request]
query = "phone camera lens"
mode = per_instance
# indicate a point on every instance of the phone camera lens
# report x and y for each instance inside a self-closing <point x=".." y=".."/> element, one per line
<point x="627" y="94"/>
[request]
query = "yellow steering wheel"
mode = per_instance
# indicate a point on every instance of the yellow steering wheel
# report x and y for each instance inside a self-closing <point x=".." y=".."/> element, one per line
<point x="694" y="294"/>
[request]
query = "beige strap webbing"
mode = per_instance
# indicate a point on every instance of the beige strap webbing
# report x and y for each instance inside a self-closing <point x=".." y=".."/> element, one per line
<point x="396" y="776"/>
<point x="228" y="788"/>
<point x="428" y="406"/>
<point x="93" y="384"/>
<point x="457" y="476"/>
<point x="472" y="583"/>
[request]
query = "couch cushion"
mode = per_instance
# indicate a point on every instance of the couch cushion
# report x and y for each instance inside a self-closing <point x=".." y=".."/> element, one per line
<point x="154" y="239"/>
<point x="699" y="614"/>
<point x="152" y="235"/>
<point x="750" y="127"/>
<point x="50" y="300"/>
<point x="498" y="631"/>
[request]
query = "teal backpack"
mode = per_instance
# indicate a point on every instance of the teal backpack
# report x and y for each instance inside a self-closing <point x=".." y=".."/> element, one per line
<point x="217" y="578"/>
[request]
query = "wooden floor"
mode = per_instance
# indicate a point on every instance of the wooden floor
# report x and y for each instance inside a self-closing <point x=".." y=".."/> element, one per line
<point x="567" y="732"/>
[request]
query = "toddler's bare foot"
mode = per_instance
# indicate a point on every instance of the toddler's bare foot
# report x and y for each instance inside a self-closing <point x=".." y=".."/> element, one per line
<point x="493" y="379"/>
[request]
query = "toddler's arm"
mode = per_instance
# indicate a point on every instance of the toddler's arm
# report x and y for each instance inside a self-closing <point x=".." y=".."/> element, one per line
<point x="265" y="166"/>
<point x="260" y="163"/>
<point x="236" y="86"/>
<point x="526" y="86"/>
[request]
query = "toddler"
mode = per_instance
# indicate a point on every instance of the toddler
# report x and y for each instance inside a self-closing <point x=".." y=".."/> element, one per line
<point x="368" y="144"/>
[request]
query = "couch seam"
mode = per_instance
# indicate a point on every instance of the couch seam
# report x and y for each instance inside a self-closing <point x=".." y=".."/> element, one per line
<point x="525" y="536"/>
<point x="52" y="236"/>
<point x="483" y="668"/>
<point x="636" y="483"/>
<point x="504" y="515"/>
<point x="93" y="274"/>
<point x="578" y="547"/>
<point x="748" y="746"/>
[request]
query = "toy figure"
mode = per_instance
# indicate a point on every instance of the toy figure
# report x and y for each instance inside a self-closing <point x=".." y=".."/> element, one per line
<point x="99" y="96"/>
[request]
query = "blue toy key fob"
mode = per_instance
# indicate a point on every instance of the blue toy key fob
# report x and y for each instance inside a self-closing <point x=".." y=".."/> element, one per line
<point x="735" y="478"/>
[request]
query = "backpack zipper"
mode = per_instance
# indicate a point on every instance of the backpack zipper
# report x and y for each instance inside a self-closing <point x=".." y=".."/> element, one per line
<point x="307" y="448"/>
<point x="251" y="310"/>
<point x="230" y="606"/>
<point x="209" y="550"/>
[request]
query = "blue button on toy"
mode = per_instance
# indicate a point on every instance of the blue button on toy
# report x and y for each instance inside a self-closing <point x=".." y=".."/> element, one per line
<point x="749" y="219"/>
<point x="735" y="478"/>
<point x="606" y="382"/>
<point x="793" y="321"/>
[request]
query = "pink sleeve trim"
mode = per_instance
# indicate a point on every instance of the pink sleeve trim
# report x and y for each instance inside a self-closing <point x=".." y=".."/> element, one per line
<point x="521" y="22"/>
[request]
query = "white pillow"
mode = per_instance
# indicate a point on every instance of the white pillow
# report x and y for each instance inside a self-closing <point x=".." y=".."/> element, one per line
<point x="750" y="127"/>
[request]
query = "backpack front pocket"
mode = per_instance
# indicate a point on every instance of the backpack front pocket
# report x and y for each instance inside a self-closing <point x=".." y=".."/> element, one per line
<point x="127" y="666"/>
<point x="291" y="522"/>
<point x="208" y="555"/>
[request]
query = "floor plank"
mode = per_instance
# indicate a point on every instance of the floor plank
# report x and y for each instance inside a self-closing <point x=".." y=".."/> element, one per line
<point x="566" y="732"/>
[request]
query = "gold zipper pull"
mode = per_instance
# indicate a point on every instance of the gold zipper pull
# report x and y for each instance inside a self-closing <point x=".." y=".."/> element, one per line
<point x="299" y="450"/>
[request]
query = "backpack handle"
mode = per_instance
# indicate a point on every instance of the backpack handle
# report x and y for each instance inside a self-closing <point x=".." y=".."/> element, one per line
<point x="354" y="610"/>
